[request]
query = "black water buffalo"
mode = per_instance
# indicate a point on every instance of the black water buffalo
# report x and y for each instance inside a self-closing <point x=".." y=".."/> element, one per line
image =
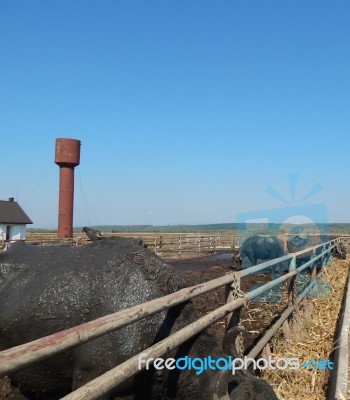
<point x="339" y="251"/>
<point x="44" y="290"/>
<point x="298" y="243"/>
<point x="258" y="248"/>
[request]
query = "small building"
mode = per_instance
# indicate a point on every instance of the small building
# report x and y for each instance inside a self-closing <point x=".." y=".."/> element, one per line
<point x="13" y="221"/>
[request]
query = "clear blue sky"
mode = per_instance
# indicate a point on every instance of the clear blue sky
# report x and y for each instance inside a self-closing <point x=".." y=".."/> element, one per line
<point x="187" y="110"/>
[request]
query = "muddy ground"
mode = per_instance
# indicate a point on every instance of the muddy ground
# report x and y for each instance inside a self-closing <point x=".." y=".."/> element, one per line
<point x="256" y="316"/>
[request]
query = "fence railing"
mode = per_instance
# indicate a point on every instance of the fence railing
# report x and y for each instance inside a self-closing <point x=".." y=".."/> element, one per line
<point x="23" y="355"/>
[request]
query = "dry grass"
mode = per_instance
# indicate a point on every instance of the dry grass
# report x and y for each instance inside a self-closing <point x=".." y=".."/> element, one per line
<point x="313" y="341"/>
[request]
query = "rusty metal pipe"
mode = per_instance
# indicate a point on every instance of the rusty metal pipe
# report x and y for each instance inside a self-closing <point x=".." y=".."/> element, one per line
<point x="65" y="205"/>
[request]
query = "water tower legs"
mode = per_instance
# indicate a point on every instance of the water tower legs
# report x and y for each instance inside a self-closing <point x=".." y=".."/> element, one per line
<point x="65" y="204"/>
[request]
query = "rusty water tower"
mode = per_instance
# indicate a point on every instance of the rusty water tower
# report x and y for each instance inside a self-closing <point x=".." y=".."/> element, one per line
<point x="67" y="157"/>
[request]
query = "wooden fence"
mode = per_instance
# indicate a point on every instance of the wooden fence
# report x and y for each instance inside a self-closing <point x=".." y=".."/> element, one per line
<point x="168" y="244"/>
<point x="21" y="356"/>
<point x="163" y="244"/>
<point x="183" y="244"/>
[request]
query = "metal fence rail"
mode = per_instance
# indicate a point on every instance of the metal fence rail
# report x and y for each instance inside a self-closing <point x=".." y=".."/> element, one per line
<point x="20" y="356"/>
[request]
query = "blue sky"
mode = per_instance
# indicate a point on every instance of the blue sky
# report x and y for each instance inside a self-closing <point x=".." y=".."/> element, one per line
<point x="187" y="110"/>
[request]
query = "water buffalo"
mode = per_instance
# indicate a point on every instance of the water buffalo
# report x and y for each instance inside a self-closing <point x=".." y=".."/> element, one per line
<point x="298" y="243"/>
<point x="48" y="289"/>
<point x="339" y="251"/>
<point x="257" y="248"/>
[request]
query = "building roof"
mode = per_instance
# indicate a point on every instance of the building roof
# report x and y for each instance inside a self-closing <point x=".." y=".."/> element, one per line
<point x="12" y="213"/>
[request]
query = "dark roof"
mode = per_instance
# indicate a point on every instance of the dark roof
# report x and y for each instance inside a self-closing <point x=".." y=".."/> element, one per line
<point x="12" y="213"/>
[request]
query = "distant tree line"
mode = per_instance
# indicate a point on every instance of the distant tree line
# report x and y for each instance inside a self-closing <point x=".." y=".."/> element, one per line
<point x="257" y="228"/>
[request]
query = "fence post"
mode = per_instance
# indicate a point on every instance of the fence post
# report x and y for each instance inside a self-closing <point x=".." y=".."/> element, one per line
<point x="285" y="238"/>
<point x="290" y="325"/>
<point x="160" y="244"/>
<point x="179" y="246"/>
<point x="233" y="292"/>
<point x="327" y="257"/>
<point x="313" y="266"/>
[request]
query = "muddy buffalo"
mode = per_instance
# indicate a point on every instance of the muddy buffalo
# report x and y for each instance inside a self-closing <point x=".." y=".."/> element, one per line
<point x="298" y="243"/>
<point x="257" y="248"/>
<point x="44" y="290"/>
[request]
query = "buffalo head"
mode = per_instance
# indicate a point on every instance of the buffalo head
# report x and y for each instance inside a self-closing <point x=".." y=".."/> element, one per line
<point x="296" y="243"/>
<point x="339" y="251"/>
<point x="236" y="260"/>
